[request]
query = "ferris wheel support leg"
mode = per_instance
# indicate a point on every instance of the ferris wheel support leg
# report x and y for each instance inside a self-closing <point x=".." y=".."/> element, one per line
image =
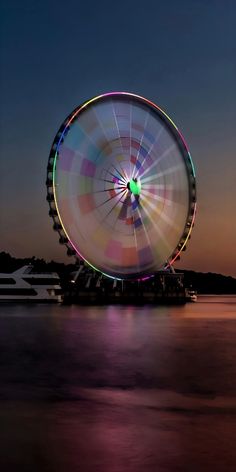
<point x="172" y="269"/>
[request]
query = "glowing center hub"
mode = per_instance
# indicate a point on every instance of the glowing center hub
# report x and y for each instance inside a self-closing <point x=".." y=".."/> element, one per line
<point x="134" y="186"/>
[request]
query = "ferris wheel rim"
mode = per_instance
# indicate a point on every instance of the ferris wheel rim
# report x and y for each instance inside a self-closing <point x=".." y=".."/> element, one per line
<point x="51" y="194"/>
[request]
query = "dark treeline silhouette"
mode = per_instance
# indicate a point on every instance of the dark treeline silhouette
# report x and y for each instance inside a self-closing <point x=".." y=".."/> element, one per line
<point x="209" y="282"/>
<point x="202" y="282"/>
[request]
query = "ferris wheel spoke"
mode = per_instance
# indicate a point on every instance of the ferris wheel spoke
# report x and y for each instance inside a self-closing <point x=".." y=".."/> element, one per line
<point x="157" y="197"/>
<point x="101" y="126"/>
<point x="132" y="216"/>
<point x="156" y="188"/>
<point x="117" y="127"/>
<point x="151" y="148"/>
<point x="108" y="190"/>
<point x="157" y="161"/>
<point x="141" y="141"/>
<point x="157" y="227"/>
<point x="130" y="136"/>
<point x="157" y="185"/>
<point x="163" y="173"/>
<point x="124" y="208"/>
<point x="161" y="215"/>
<point x="104" y="180"/>
<point x="88" y="135"/>
<point x="119" y="215"/>
<point x="140" y="232"/>
<point x="109" y="199"/>
<point x="144" y="227"/>
<point x="136" y="244"/>
<point x="163" y="198"/>
<point x="122" y="178"/>
<point x="114" y="206"/>
<point x="122" y="215"/>
<point x="123" y="172"/>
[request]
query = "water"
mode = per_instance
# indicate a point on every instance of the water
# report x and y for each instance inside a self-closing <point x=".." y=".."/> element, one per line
<point x="118" y="388"/>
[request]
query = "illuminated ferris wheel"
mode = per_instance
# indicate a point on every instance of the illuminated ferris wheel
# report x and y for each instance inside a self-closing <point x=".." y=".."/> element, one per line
<point x="121" y="186"/>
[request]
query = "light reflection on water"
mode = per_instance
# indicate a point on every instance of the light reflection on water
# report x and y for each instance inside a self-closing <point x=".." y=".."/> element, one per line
<point x="118" y="388"/>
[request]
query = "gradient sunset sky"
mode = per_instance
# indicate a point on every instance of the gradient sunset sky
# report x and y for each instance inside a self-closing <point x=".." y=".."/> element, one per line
<point x="180" y="54"/>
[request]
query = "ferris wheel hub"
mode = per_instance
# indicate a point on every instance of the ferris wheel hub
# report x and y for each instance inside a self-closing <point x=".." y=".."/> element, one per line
<point x="134" y="186"/>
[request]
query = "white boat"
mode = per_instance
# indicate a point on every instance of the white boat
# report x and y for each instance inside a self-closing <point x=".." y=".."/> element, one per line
<point x="25" y="285"/>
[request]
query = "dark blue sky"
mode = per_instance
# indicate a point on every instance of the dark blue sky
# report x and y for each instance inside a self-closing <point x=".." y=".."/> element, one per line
<point x="179" y="54"/>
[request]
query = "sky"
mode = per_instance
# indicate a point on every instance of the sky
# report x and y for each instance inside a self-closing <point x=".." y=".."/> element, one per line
<point x="179" y="54"/>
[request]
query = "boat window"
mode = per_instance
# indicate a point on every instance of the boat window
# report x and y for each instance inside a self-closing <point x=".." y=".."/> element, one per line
<point x="41" y="281"/>
<point x="17" y="291"/>
<point x="7" y="280"/>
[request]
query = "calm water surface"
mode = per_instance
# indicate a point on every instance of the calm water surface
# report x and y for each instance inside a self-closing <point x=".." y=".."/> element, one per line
<point x="118" y="388"/>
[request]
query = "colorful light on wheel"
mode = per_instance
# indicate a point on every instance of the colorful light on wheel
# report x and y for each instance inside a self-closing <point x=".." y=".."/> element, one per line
<point x="121" y="186"/>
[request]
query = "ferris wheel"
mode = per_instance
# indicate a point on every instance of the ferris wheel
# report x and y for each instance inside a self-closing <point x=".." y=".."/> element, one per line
<point x="121" y="186"/>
